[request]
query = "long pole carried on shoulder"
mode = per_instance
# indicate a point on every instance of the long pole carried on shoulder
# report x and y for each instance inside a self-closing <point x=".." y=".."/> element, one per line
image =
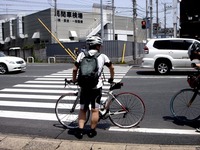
<point x="67" y="50"/>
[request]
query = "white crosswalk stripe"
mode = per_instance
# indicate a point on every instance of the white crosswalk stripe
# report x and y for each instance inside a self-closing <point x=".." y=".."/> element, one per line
<point x="42" y="92"/>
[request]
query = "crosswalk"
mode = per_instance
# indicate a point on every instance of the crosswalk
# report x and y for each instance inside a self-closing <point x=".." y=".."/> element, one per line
<point x="36" y="99"/>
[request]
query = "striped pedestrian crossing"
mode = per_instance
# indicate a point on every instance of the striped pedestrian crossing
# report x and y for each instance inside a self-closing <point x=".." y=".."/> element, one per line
<point x="28" y="100"/>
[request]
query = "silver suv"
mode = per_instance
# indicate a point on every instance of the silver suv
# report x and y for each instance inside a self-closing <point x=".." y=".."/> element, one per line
<point x="167" y="53"/>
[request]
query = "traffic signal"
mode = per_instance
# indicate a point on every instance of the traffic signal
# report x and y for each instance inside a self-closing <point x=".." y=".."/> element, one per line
<point x="143" y="24"/>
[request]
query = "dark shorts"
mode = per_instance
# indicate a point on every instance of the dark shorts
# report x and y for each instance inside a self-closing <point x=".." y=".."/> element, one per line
<point x="91" y="96"/>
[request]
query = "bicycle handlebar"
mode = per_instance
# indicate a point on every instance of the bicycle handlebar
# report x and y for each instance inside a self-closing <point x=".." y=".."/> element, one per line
<point x="113" y="85"/>
<point x="69" y="82"/>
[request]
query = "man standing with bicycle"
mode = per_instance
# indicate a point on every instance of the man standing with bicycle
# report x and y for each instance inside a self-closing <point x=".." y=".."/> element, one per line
<point x="91" y="95"/>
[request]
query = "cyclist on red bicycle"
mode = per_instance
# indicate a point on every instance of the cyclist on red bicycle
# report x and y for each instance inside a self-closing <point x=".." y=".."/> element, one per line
<point x="194" y="53"/>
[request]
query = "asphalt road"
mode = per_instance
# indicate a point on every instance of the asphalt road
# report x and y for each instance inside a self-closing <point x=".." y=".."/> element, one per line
<point x="157" y="127"/>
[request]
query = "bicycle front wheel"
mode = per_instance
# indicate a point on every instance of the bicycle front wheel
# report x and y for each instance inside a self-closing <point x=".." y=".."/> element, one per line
<point x="181" y="108"/>
<point x="127" y="110"/>
<point x="67" y="110"/>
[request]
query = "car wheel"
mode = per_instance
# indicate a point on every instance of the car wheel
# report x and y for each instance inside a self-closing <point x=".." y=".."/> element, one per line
<point x="162" y="67"/>
<point x="3" y="69"/>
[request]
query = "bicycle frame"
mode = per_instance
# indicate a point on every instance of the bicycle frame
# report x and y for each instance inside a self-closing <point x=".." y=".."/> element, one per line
<point x="117" y="106"/>
<point x="110" y="100"/>
<point x="196" y="89"/>
<point x="77" y="94"/>
<point x="193" y="98"/>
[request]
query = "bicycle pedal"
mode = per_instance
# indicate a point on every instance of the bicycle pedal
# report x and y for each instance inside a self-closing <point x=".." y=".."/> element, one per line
<point x="102" y="112"/>
<point x="105" y="116"/>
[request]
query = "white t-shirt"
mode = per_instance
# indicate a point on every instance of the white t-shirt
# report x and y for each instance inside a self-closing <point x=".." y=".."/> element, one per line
<point x="102" y="59"/>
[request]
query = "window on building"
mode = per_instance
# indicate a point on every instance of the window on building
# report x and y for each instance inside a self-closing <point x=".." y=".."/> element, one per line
<point x="69" y="14"/>
<point x="13" y="28"/>
<point x="74" y="14"/>
<point x="3" y="35"/>
<point x="63" y="14"/>
<point x="66" y="20"/>
<point x="23" y="30"/>
<point x="80" y="15"/>
<point x="58" y="13"/>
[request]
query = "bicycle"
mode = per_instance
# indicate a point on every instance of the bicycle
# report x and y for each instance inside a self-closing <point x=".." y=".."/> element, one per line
<point x="124" y="110"/>
<point x="185" y="104"/>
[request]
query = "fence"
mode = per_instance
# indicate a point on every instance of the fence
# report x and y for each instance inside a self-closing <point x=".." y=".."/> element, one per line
<point x="115" y="50"/>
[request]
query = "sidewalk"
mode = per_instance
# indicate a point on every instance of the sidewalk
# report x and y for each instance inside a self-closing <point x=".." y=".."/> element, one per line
<point x="14" y="142"/>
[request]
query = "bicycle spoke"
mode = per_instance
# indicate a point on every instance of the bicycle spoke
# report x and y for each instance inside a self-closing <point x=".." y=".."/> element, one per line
<point x="64" y="113"/>
<point x="133" y="114"/>
<point x="180" y="107"/>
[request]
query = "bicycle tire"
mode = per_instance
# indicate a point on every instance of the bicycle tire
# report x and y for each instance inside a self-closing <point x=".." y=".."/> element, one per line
<point x="63" y="111"/>
<point x="179" y="108"/>
<point x="135" y="106"/>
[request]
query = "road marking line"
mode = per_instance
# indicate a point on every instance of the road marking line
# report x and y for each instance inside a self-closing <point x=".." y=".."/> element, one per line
<point x="50" y="86"/>
<point x="29" y="104"/>
<point x="47" y="82"/>
<point x="28" y="115"/>
<point x="154" y="130"/>
<point x="30" y="96"/>
<point x="40" y="97"/>
<point x="42" y="86"/>
<point x="156" y="77"/>
<point x="36" y="90"/>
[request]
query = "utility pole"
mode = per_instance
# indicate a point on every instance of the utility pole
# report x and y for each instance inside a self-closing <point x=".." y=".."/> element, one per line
<point x="151" y="19"/>
<point x="147" y="18"/>
<point x="175" y="17"/>
<point x="157" y="20"/>
<point x="56" y="26"/>
<point x="134" y="30"/>
<point x="113" y="18"/>
<point x="102" y="26"/>
<point x="165" y="20"/>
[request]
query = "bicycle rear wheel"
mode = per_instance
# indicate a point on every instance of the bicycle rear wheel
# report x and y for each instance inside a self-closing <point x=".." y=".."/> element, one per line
<point x="67" y="112"/>
<point x="180" y="108"/>
<point x="128" y="111"/>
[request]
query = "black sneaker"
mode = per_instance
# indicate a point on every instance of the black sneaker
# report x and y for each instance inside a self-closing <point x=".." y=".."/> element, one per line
<point x="92" y="133"/>
<point x="79" y="133"/>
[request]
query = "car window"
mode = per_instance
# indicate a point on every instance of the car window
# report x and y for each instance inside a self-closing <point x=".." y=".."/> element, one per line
<point x="177" y="44"/>
<point x="164" y="44"/>
<point x="188" y="43"/>
<point x="180" y="44"/>
<point x="173" y="44"/>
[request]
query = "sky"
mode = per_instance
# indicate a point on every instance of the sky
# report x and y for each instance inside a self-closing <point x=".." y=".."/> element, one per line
<point x="123" y="7"/>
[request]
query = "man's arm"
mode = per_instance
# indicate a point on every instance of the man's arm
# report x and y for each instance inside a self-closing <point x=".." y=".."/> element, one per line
<point x="112" y="72"/>
<point x="74" y="73"/>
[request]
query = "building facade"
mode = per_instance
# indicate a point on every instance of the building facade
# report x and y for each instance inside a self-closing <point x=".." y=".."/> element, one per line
<point x="31" y="31"/>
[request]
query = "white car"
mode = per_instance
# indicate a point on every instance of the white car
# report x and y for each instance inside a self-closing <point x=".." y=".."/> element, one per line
<point x="11" y="63"/>
<point x="165" y="54"/>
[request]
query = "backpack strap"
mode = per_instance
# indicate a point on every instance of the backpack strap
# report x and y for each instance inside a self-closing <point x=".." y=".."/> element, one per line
<point x="97" y="54"/>
<point x="86" y="53"/>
